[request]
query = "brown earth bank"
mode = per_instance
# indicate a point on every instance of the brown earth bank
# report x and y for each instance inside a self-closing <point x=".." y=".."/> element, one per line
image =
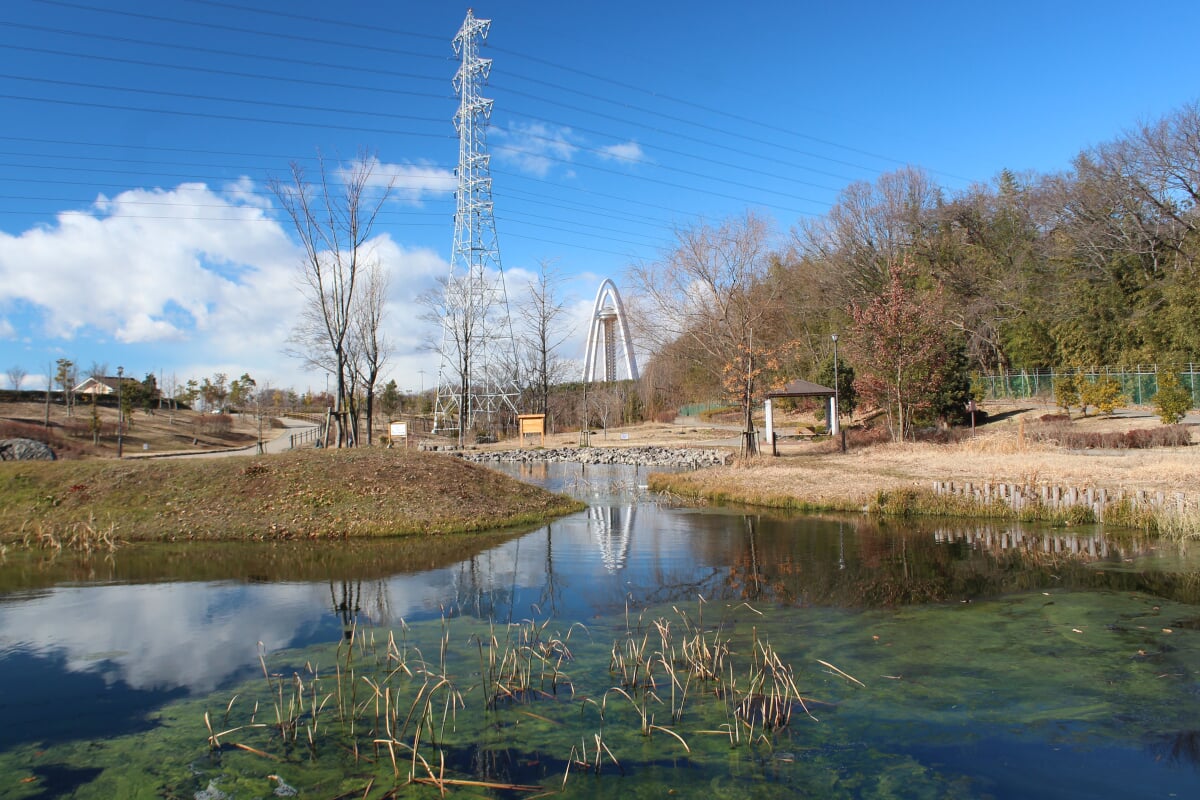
<point x="306" y="494"/>
<point x="1019" y="448"/>
<point x="70" y="433"/>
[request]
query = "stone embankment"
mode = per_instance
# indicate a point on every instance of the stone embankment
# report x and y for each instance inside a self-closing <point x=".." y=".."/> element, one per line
<point x="1098" y="501"/>
<point x="25" y="450"/>
<point x="677" y="457"/>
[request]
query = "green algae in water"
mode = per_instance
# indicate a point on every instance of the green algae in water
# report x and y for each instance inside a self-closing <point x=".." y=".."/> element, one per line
<point x="1099" y="676"/>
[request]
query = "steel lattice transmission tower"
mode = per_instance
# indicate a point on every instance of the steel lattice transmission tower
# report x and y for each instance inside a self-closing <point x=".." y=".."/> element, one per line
<point x="477" y="380"/>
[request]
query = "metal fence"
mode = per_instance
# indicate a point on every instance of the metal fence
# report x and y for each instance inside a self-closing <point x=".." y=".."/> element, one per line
<point x="1138" y="383"/>
<point x="696" y="409"/>
<point x="307" y="435"/>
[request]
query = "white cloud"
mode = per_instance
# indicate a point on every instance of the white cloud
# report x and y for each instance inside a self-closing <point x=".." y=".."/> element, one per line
<point x="534" y="148"/>
<point x="186" y="266"/>
<point x="191" y="281"/>
<point x="136" y="265"/>
<point x="411" y="183"/>
<point x="245" y="191"/>
<point x="629" y="152"/>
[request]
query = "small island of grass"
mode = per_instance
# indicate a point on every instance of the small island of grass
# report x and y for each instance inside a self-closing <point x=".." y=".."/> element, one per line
<point x="303" y="494"/>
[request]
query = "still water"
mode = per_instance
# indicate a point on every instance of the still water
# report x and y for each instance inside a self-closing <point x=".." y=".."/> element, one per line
<point x="955" y="659"/>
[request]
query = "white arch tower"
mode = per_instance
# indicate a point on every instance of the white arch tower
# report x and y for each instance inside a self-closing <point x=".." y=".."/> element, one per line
<point x="608" y="326"/>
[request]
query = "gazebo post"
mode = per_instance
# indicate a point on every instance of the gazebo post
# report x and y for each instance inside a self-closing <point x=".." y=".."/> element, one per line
<point x="769" y="424"/>
<point x="797" y="388"/>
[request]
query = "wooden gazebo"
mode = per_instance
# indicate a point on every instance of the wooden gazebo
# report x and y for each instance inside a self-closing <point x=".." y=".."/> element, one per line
<point x="800" y="388"/>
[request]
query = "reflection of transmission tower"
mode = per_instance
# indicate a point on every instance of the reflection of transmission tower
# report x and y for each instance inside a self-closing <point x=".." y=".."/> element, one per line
<point x="478" y="370"/>
<point x="612" y="528"/>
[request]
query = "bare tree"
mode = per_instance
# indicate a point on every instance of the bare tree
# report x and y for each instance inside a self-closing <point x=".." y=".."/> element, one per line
<point x="49" y="391"/>
<point x="869" y="228"/>
<point x="171" y="392"/>
<point x="372" y="348"/>
<point x="465" y="315"/>
<point x="540" y="311"/>
<point x="334" y="224"/>
<point x="96" y="372"/>
<point x="16" y="376"/>
<point x="711" y="289"/>
<point x="604" y="403"/>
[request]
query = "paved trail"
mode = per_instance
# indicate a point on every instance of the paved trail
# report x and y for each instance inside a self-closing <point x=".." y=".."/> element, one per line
<point x="281" y="443"/>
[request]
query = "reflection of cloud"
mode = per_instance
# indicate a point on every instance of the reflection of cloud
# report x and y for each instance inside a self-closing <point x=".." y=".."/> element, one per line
<point x="163" y="636"/>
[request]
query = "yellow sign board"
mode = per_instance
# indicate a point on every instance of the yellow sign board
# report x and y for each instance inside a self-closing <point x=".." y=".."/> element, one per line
<point x="533" y="424"/>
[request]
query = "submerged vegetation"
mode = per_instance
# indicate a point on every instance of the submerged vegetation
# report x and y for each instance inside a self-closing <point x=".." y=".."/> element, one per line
<point x="438" y="713"/>
<point x="303" y="494"/>
<point x="727" y="700"/>
<point x="849" y="658"/>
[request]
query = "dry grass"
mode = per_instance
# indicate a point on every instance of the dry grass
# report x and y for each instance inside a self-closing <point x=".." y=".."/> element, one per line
<point x="303" y="494"/>
<point x="163" y="431"/>
<point x="816" y="475"/>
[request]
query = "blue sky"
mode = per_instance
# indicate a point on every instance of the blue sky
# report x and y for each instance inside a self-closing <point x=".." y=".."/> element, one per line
<point x="138" y="136"/>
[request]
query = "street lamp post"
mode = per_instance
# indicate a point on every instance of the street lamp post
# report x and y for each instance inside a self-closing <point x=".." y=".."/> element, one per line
<point x="120" y="408"/>
<point x="836" y="427"/>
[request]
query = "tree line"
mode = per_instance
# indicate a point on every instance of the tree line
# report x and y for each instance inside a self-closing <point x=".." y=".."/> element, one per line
<point x="1098" y="264"/>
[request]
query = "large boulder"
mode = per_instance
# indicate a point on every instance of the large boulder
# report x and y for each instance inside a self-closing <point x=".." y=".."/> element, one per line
<point x="25" y="450"/>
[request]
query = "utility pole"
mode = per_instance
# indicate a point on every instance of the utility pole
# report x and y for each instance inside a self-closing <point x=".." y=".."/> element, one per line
<point x="750" y="445"/>
<point x="835" y="426"/>
<point x="478" y="372"/>
<point x="120" y="408"/>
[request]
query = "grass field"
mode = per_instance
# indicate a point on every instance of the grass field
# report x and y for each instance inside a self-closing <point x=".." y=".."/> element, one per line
<point x="303" y="494"/>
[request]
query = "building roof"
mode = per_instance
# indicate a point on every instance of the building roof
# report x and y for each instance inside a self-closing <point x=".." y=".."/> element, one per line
<point x="802" y="388"/>
<point x="111" y="381"/>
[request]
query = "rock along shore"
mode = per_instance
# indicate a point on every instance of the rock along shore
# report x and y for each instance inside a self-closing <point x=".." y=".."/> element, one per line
<point x="686" y="457"/>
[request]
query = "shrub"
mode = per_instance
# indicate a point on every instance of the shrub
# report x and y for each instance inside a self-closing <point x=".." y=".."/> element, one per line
<point x="213" y="424"/>
<point x="1142" y="438"/>
<point x="1066" y="392"/>
<point x="713" y="414"/>
<point x="666" y="417"/>
<point x="1172" y="401"/>
<point x="1104" y="393"/>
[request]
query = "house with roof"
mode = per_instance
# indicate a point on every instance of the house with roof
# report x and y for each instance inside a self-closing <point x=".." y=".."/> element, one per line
<point x="99" y="384"/>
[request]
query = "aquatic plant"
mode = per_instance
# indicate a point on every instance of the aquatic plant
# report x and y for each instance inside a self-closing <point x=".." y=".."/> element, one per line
<point x="384" y="704"/>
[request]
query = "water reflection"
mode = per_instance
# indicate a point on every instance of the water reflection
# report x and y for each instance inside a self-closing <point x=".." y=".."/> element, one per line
<point x="612" y="527"/>
<point x="190" y="618"/>
<point x="198" y="635"/>
<point x="1089" y="546"/>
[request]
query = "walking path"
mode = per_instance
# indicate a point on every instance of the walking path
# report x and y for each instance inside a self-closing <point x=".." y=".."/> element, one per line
<point x="281" y="443"/>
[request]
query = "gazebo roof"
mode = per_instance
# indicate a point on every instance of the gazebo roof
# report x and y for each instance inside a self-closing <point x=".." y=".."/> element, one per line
<point x="802" y="388"/>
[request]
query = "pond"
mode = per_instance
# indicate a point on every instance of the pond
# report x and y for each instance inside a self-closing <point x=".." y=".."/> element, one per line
<point x="633" y="649"/>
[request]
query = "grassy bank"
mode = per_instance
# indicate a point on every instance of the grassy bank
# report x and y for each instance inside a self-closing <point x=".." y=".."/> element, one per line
<point x="304" y="494"/>
<point x="896" y="480"/>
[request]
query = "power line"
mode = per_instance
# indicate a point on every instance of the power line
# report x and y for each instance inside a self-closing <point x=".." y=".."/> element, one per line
<point x="219" y="99"/>
<point x="544" y="62"/>
<point x="431" y="95"/>
<point x="230" y="73"/>
<point x="658" y="96"/>
<point x="176" y="46"/>
<point x="441" y="40"/>
<point x="230" y="117"/>
<point x="234" y="29"/>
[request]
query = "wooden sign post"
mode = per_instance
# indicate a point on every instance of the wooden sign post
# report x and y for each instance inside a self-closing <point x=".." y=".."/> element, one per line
<point x="398" y="430"/>
<point x="534" y="424"/>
